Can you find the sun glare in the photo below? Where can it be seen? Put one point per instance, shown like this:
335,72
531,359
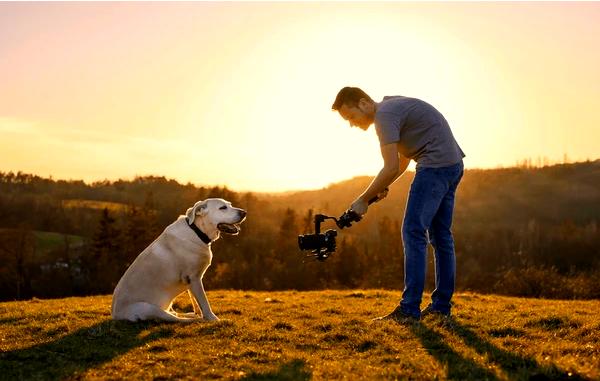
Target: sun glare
239,94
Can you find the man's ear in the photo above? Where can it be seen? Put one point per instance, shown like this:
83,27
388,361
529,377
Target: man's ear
363,104
199,209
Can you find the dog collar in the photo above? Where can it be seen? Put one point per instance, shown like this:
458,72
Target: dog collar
200,233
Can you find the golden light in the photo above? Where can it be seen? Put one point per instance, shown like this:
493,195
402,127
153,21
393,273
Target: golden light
239,94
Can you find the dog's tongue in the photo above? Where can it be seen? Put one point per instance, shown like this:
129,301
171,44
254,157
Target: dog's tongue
228,228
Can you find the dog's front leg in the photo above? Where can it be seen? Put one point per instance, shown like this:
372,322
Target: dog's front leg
200,295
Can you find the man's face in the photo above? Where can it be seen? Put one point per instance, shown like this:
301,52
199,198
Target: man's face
360,116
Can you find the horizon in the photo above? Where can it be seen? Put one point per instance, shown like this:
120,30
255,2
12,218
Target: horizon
526,163
239,94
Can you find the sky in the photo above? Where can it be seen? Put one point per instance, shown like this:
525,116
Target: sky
240,94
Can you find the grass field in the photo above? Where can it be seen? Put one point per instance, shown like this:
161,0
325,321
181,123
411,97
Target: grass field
304,335
48,241
93,204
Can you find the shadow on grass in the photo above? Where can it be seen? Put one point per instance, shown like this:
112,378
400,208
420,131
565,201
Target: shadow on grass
459,368
291,371
78,351
515,366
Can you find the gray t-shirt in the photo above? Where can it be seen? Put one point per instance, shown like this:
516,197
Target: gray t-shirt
421,131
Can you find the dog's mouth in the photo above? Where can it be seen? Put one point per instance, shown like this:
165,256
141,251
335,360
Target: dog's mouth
232,229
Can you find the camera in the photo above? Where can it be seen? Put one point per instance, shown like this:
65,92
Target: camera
322,245
317,241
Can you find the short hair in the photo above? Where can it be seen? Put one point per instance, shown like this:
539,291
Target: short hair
349,96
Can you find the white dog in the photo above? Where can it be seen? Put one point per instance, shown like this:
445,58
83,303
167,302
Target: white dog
175,262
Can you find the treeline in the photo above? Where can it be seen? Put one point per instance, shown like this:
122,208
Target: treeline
518,231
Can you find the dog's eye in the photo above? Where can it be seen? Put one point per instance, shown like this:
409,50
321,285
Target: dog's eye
223,207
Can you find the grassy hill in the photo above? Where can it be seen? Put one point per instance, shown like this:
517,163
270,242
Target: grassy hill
48,241
304,335
92,204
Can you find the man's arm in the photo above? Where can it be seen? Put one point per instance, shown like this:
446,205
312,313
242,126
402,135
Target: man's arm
394,165
403,164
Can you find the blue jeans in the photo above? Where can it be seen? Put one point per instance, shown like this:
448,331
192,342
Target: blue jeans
429,215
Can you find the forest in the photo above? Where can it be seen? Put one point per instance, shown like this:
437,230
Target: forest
525,231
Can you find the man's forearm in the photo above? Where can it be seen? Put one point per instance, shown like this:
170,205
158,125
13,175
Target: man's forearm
383,179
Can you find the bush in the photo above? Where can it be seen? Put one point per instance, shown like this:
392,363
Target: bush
540,282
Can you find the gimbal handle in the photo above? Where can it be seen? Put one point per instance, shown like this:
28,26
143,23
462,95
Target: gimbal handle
350,216
375,199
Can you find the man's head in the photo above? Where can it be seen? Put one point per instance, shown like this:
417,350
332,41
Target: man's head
355,106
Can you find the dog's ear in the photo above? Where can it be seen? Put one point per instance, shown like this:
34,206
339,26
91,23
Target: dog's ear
199,209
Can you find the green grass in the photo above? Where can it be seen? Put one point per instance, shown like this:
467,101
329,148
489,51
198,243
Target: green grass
304,335
48,241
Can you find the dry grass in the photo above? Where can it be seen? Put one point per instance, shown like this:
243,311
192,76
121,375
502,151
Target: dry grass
93,204
304,335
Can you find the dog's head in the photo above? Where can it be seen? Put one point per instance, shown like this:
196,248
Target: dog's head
216,215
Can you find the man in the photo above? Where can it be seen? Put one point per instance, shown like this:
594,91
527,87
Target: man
410,129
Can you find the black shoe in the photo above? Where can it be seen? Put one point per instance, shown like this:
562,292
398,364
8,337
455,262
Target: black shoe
398,316
430,311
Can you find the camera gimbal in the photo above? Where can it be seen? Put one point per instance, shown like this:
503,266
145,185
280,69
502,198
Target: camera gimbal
322,245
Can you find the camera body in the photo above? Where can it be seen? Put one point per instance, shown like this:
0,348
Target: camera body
321,243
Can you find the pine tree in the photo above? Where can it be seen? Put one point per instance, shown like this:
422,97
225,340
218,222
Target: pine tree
106,251
134,240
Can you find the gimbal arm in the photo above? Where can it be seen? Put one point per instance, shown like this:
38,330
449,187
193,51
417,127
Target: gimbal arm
319,218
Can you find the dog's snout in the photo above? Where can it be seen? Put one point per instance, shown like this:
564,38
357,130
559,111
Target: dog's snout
242,213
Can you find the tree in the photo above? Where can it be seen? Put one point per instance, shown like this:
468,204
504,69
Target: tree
346,264
105,256
17,249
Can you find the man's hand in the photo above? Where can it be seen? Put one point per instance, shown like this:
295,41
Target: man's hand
381,195
360,206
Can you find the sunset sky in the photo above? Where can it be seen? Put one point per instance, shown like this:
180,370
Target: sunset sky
240,94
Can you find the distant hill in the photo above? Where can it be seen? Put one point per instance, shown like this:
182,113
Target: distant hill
519,231
507,196
551,193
